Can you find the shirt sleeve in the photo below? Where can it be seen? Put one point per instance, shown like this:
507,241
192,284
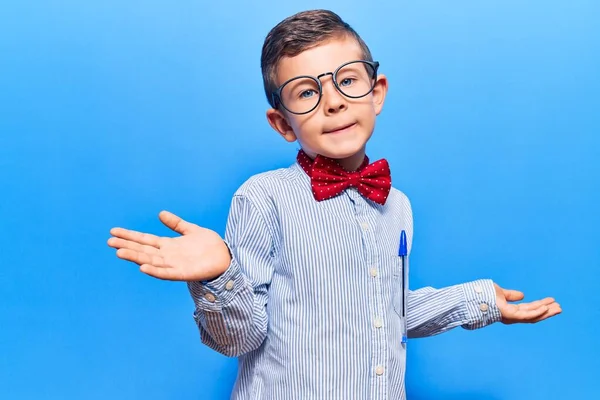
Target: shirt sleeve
471,305
431,311
230,310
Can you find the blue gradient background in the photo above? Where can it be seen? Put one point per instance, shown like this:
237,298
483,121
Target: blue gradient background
113,110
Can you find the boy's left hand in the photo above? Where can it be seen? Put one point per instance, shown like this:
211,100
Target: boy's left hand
535,311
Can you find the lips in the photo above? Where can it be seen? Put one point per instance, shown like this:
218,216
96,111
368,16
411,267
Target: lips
340,128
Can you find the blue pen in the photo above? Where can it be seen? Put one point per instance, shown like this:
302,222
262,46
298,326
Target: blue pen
402,253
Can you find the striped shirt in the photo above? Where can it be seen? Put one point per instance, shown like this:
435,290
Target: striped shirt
311,302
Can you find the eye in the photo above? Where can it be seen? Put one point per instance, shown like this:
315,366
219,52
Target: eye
347,81
305,94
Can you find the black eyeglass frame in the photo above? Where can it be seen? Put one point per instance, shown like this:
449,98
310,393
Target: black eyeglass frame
276,95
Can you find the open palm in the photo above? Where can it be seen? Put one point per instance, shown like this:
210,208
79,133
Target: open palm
535,311
198,254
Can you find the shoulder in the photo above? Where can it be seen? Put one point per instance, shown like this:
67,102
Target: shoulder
265,183
401,211
264,191
399,199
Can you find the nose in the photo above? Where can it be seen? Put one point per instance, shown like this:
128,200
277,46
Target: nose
333,100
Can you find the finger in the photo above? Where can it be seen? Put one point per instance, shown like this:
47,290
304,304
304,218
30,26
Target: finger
141,258
513,295
138,237
169,274
118,243
521,315
175,223
536,304
553,309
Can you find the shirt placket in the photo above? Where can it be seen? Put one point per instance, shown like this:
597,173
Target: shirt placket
366,220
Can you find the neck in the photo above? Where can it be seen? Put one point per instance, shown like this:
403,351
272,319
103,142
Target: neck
353,162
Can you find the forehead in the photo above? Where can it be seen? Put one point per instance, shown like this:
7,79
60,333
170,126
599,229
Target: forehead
325,57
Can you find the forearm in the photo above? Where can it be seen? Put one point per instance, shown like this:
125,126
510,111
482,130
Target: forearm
230,313
432,311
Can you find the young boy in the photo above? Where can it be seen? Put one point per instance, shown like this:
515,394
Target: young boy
307,286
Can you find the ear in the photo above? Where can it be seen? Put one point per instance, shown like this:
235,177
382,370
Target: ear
379,92
279,122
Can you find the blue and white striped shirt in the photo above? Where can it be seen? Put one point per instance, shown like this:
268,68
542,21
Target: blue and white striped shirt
311,302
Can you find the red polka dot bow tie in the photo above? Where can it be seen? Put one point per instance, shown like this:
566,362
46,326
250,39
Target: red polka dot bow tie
329,178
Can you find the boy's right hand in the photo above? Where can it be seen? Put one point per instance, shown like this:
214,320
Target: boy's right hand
199,254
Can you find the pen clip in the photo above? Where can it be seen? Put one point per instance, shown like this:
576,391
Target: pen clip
403,250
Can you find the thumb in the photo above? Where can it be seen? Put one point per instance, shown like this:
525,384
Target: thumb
513,295
175,223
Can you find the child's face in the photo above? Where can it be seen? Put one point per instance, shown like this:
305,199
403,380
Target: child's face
339,127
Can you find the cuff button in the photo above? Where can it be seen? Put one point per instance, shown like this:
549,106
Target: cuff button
210,297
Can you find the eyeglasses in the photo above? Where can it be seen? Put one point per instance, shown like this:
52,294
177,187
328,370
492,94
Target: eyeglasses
302,94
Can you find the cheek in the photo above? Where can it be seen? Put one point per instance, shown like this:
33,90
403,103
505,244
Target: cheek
367,114
304,125
295,124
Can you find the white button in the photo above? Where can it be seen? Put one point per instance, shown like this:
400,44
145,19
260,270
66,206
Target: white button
229,285
379,370
365,226
378,323
210,297
483,307
478,289
373,272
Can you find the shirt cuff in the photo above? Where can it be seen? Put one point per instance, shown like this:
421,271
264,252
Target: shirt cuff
214,294
480,300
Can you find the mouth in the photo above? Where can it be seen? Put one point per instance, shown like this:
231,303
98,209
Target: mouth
340,129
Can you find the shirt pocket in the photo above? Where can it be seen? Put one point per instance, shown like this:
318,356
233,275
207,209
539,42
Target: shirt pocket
396,290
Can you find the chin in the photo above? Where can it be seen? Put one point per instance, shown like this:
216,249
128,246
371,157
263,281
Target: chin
346,150
342,154
338,149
